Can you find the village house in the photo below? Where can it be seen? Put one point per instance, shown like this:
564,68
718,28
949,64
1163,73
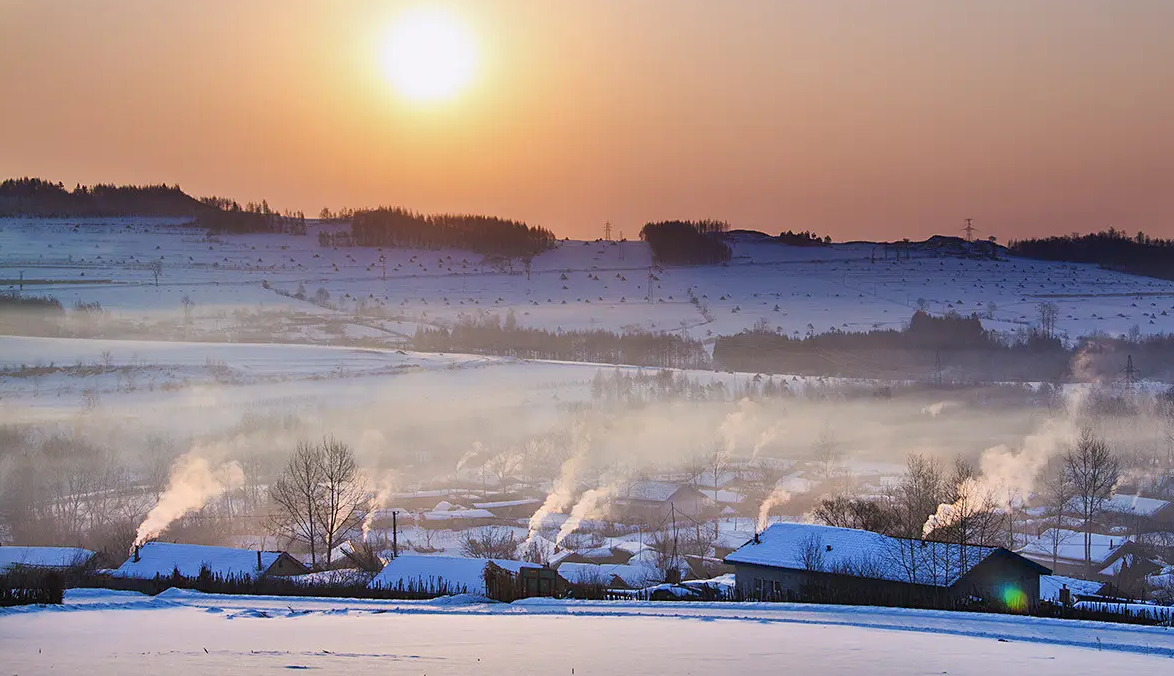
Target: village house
795,561
655,501
162,559
494,578
1063,551
14,557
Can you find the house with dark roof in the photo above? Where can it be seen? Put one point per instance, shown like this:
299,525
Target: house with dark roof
813,562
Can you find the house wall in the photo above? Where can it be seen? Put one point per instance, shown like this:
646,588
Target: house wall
998,579
779,584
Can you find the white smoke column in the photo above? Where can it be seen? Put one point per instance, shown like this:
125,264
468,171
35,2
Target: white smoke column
1007,472
194,481
733,424
591,504
562,494
477,448
936,409
385,487
778,496
765,438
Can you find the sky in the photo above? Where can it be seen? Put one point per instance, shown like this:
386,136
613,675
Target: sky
859,119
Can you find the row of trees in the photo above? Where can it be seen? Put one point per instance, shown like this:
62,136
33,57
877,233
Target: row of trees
489,335
38,197
488,235
687,242
228,216
1108,247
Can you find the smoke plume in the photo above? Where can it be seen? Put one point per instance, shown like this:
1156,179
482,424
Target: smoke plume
384,488
777,497
194,481
592,503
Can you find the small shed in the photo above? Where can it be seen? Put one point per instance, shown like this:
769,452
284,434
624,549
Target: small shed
49,558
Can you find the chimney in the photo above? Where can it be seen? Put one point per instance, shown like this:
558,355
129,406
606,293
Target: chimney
136,553
757,540
829,548
258,559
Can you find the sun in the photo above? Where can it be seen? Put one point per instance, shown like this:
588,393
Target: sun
429,55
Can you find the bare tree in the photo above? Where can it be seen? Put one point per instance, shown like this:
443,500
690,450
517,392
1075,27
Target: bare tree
1048,313
917,495
156,268
1057,494
489,543
845,511
1094,472
827,455
504,464
319,497
811,553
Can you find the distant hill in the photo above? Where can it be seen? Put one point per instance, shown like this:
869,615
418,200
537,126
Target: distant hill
38,197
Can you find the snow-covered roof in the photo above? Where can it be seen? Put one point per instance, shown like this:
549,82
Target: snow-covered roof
505,503
860,553
42,557
458,575
1069,546
723,496
1132,504
457,514
652,491
162,558
631,575
1050,585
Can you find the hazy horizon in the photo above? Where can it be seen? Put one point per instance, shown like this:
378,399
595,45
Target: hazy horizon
856,119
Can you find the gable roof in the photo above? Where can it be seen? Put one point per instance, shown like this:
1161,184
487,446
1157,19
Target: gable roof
860,553
654,491
162,558
42,557
1133,504
1050,585
458,575
1070,546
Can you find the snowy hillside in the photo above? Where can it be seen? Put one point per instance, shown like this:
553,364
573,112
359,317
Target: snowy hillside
241,286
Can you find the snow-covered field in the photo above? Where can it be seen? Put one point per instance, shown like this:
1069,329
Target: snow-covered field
103,632
235,285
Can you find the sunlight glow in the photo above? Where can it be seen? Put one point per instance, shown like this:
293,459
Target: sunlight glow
429,55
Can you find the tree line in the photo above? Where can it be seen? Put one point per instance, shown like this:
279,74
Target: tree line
1108,247
38,197
490,335
227,216
487,235
687,242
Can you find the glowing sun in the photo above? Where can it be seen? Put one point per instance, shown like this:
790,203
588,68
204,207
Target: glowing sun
428,55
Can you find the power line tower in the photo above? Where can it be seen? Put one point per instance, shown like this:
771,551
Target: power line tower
1131,373
621,245
970,230
607,231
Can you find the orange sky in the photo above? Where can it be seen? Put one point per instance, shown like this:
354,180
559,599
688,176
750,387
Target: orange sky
864,119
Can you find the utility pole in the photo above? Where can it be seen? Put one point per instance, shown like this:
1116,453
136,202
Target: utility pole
937,368
621,245
969,230
651,289
394,534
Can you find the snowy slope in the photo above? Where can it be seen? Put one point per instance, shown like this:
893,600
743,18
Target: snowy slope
578,285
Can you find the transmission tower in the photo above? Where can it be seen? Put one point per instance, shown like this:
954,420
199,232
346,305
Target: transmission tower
621,245
1131,373
969,230
607,231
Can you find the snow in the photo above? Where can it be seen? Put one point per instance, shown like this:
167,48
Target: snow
458,574
802,546
162,558
457,514
42,557
506,503
634,576
652,491
1071,546
1050,585
105,633
606,285
1132,504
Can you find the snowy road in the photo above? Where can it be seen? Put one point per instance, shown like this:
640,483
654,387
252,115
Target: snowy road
101,633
